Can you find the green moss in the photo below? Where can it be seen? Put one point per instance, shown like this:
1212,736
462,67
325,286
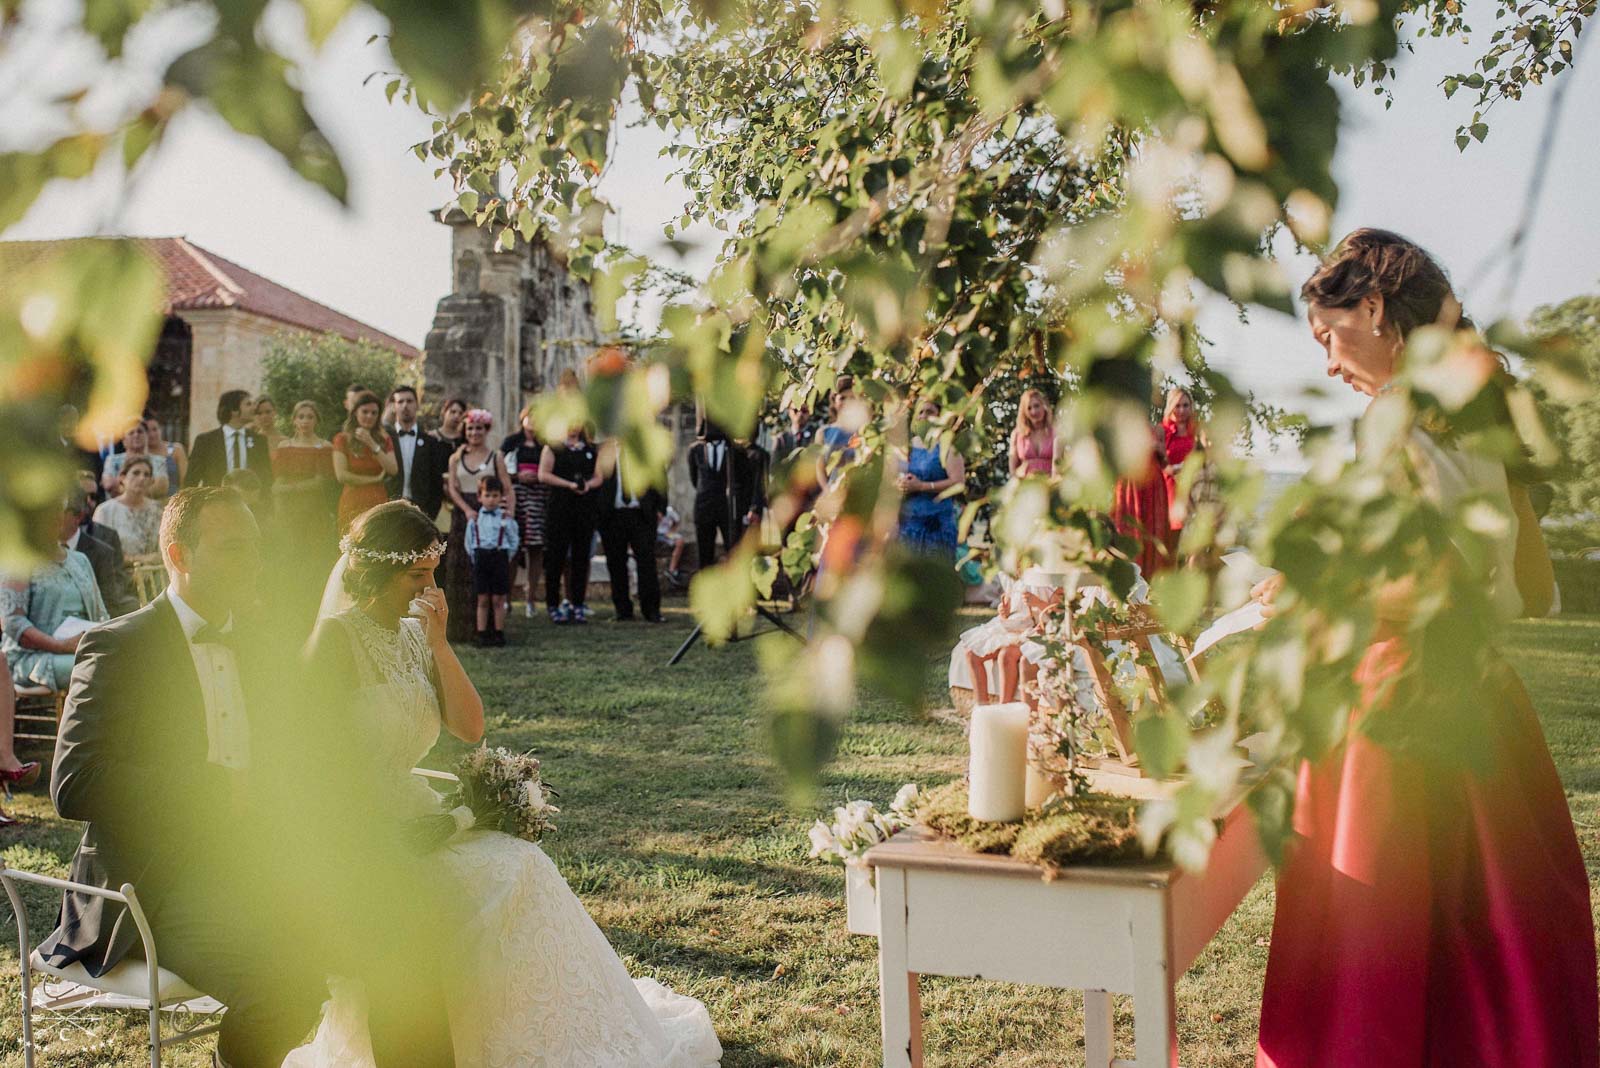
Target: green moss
1084,830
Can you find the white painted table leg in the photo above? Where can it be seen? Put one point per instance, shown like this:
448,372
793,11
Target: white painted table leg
1155,1010
898,996
1099,1031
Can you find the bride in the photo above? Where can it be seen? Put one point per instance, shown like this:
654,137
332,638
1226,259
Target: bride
538,985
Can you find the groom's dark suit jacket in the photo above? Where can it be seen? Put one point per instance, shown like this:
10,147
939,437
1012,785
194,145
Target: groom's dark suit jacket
131,763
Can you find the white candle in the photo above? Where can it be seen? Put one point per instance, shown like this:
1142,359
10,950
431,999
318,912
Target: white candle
1040,788
997,773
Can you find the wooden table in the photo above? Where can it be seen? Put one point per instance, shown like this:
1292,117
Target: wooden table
1128,929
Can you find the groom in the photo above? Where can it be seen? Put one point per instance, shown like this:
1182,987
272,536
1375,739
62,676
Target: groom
178,746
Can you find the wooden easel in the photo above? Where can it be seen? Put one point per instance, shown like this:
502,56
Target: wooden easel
1142,625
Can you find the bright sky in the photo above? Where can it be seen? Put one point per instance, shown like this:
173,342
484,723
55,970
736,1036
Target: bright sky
385,261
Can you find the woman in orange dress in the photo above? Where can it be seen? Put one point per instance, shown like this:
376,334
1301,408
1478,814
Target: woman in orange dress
1434,909
363,457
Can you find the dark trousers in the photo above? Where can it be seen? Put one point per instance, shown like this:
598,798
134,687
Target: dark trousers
631,529
711,518
274,988
568,538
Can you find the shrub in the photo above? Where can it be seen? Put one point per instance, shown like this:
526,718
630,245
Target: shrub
318,367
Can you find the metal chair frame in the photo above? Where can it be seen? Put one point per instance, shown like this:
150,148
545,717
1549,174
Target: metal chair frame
69,1002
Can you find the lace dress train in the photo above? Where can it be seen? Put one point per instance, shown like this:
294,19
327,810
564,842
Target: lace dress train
538,986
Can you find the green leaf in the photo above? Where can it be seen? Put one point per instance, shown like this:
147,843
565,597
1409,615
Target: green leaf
1178,598
1162,741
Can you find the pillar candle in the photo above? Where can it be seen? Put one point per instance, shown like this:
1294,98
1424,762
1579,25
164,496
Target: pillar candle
997,773
1041,787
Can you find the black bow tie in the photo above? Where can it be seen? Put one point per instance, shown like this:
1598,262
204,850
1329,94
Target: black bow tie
210,635
406,433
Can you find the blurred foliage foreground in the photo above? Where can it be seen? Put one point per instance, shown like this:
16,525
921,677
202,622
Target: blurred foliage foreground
936,196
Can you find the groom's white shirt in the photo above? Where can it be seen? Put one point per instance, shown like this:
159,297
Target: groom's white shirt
227,730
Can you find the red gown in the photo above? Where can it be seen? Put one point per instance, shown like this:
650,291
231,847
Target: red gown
1139,510
1433,918
353,500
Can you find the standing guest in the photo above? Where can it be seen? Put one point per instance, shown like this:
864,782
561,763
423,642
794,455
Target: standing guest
719,472
452,424
363,458
569,469
474,459
838,441
1180,432
266,422
492,542
628,516
352,393
304,487
523,451
81,458
177,456
1033,442
422,458
1434,909
132,514
103,547
750,500
229,447
928,517
32,610
669,536
135,446
794,437
1139,510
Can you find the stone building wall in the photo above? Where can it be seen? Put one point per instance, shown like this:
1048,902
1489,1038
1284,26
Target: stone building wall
227,347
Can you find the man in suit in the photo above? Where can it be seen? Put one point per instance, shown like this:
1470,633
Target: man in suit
723,478
628,517
181,748
103,547
422,457
231,446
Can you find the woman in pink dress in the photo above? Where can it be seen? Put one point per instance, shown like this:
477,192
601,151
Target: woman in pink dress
1180,431
1431,914
1033,442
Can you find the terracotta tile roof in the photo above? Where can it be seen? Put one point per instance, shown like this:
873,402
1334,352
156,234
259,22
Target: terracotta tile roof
198,279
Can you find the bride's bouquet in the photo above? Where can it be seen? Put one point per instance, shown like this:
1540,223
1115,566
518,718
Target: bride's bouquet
504,792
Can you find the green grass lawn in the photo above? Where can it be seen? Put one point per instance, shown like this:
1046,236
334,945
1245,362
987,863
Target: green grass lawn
676,833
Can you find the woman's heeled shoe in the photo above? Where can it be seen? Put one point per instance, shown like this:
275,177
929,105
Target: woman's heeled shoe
25,776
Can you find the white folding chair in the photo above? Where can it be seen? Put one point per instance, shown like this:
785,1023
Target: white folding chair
68,996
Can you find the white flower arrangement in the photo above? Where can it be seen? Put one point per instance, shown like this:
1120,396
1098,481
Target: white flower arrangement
505,793
859,825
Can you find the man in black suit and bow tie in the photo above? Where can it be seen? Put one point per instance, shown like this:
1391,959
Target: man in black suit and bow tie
181,748
231,446
422,458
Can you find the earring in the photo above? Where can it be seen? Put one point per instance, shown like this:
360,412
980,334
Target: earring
1377,331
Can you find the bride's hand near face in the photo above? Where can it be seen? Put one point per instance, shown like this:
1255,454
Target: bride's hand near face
434,611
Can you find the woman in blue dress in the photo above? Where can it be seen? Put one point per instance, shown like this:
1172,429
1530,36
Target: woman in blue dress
927,516
33,610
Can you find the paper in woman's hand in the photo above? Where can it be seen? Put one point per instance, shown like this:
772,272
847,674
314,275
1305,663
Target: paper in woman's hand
1247,617
70,628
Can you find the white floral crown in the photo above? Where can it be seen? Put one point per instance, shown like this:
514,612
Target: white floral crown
347,545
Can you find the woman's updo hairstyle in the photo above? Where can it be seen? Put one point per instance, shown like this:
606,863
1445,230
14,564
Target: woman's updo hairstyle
383,542
1415,289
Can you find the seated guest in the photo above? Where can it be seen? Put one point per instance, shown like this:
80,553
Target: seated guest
13,772
103,546
33,609
135,446
176,455
133,515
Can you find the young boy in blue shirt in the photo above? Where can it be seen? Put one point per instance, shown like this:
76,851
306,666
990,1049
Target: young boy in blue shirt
492,542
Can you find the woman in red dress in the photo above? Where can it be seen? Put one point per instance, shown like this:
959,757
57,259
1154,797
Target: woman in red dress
1432,913
1180,431
363,456
1139,510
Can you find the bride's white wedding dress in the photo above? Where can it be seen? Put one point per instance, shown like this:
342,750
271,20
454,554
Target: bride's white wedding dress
544,988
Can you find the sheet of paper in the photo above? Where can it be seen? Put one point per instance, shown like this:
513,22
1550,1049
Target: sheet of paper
1253,570
1241,619
70,628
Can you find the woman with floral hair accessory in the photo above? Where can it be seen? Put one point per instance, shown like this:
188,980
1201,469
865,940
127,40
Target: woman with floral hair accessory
472,461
